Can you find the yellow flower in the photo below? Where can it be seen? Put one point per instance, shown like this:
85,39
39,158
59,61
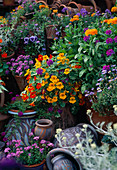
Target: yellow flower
91,32
72,100
80,96
55,99
49,100
46,76
67,71
41,6
45,57
43,83
55,11
13,10
58,130
61,54
43,70
59,85
93,145
1,17
67,60
114,9
51,87
42,97
62,95
75,18
54,79
37,64
27,72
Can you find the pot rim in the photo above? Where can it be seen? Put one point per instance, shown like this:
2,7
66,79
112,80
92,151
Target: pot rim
47,121
35,165
27,112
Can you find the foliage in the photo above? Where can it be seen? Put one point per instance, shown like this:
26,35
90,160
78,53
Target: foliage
54,80
90,155
106,96
88,43
35,153
2,86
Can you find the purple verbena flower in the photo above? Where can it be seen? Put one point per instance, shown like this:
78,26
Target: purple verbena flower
108,32
115,39
13,98
49,62
110,52
106,67
86,38
50,109
64,10
109,40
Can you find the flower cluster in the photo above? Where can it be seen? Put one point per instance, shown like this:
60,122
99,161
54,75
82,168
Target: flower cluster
28,155
19,65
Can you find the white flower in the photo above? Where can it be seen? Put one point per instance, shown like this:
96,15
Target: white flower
64,138
115,126
77,135
93,145
114,106
79,145
58,130
90,140
88,112
85,126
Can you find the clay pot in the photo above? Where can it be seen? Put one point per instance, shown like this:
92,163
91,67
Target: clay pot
63,159
34,167
21,82
2,98
44,129
51,31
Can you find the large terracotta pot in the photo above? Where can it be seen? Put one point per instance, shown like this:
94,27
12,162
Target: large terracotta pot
21,82
51,31
61,159
44,129
40,166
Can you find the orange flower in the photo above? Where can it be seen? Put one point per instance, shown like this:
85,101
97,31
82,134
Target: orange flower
91,32
50,56
59,85
69,43
46,76
32,104
55,99
28,78
49,100
35,78
62,95
24,97
38,86
4,55
0,40
72,100
32,95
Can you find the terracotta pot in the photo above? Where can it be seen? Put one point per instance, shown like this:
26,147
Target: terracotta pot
21,82
63,159
2,98
73,8
42,2
44,129
40,166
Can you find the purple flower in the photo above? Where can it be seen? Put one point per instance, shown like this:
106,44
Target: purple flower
5,139
33,38
29,154
7,150
59,111
110,52
49,62
26,39
26,67
43,141
106,67
39,71
108,32
36,24
37,42
85,29
86,38
97,41
83,12
31,134
109,40
50,109
36,138
20,114
64,9
91,65
13,98
31,62
78,14
108,11
3,134
41,150
115,39
7,72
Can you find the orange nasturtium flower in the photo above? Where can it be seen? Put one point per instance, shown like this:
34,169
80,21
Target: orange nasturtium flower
4,55
114,9
46,76
0,40
32,104
24,97
49,100
59,85
51,87
67,71
40,57
45,57
55,11
54,79
72,100
55,99
41,6
62,95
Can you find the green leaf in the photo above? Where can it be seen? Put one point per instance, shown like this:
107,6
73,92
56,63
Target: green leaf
82,72
86,58
83,88
62,104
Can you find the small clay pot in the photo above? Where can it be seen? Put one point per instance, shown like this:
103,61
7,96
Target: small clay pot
44,129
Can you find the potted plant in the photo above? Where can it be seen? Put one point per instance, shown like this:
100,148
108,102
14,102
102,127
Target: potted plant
18,68
29,156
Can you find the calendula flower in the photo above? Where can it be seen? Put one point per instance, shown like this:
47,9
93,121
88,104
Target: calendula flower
114,9
62,96
72,100
59,85
67,71
91,32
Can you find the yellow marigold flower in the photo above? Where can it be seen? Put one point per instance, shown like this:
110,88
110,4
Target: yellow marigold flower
92,14
41,6
61,54
91,32
37,64
45,57
27,72
49,100
46,76
72,100
62,96
67,71
112,21
59,85
75,18
80,96
54,99
114,9
55,11
54,79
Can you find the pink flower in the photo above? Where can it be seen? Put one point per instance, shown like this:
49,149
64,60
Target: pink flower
17,145
3,134
7,150
9,143
41,150
4,139
50,144
31,134
29,154
20,114
36,138
43,141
